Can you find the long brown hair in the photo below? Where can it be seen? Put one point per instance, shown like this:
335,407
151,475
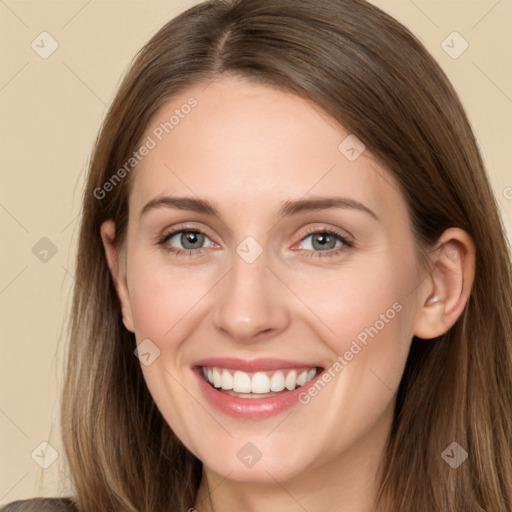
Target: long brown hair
373,76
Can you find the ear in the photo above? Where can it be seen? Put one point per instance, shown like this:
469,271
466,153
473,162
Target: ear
445,291
117,263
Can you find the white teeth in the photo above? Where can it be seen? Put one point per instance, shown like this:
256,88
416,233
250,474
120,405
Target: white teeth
227,380
217,378
241,382
291,380
302,378
277,381
259,382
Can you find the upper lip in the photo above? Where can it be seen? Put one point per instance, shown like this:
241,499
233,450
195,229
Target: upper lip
253,365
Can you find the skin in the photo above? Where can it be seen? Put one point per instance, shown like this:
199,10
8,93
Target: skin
248,148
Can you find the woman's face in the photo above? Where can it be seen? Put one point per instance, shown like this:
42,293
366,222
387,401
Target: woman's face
270,285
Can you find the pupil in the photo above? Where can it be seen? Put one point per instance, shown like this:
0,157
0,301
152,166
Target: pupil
322,239
189,238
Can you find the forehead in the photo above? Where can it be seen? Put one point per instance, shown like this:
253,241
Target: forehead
246,142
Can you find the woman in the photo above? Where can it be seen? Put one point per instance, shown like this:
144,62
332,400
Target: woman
341,334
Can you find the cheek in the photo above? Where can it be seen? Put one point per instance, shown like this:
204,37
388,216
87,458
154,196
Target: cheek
162,295
365,314
356,300
369,314
164,301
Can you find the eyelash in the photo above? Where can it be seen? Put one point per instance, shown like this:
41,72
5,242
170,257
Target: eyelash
347,244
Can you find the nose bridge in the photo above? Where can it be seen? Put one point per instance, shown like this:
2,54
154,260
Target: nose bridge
249,303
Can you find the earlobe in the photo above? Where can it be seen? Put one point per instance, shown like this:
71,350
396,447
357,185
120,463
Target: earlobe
447,287
115,262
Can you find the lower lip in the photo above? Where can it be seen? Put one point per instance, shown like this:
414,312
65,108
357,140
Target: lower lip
251,408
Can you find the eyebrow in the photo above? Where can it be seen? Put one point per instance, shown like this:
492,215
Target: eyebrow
288,207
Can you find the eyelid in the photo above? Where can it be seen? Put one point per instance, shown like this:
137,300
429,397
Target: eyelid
327,228
172,232
183,227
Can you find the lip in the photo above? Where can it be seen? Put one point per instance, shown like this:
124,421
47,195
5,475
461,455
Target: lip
250,408
254,365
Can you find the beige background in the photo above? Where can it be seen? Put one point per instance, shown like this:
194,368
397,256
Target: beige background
50,112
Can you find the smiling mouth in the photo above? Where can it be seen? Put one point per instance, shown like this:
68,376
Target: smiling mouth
261,384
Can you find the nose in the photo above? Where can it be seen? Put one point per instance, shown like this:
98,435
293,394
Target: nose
251,304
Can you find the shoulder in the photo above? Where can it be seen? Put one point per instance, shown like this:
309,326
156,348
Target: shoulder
41,505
